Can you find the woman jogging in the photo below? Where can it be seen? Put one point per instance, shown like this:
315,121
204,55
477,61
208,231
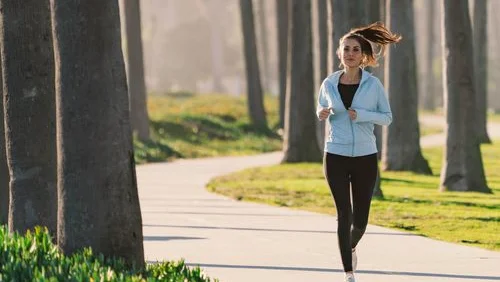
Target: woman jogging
353,101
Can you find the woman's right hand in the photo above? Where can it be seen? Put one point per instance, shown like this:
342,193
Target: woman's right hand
323,113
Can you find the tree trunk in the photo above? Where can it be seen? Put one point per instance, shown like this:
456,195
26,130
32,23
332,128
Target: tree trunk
98,199
323,38
346,16
374,13
401,148
210,11
254,88
322,22
261,14
429,95
300,143
462,168
135,69
282,24
216,44
494,98
339,28
480,37
28,69
4,170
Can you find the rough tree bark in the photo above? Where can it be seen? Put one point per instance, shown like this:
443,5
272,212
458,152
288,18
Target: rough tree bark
300,143
4,170
254,88
135,69
98,199
30,131
401,145
462,168
480,36
282,10
429,98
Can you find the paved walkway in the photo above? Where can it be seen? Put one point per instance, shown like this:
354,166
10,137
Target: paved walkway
245,242
438,139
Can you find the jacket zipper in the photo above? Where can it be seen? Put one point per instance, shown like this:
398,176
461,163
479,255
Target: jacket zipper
352,126
353,139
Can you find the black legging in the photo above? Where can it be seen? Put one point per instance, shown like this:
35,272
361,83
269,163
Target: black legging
361,172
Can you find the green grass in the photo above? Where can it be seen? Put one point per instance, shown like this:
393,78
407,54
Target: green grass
192,126
430,130
33,257
187,125
412,202
495,117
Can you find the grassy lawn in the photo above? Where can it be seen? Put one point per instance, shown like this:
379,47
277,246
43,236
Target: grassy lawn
412,202
184,125
430,130
494,117
187,125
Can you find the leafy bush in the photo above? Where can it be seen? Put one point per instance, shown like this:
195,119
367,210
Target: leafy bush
34,257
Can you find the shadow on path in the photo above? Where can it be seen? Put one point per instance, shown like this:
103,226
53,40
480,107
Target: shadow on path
170,238
228,214
377,272
267,229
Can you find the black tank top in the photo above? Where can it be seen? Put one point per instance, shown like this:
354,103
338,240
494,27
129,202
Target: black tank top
347,92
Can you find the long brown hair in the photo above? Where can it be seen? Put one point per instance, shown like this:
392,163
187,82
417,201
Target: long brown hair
367,36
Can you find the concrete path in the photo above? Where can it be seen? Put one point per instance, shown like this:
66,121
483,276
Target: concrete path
438,139
245,242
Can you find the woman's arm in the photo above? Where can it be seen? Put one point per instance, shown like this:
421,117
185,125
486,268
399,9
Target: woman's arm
322,103
383,114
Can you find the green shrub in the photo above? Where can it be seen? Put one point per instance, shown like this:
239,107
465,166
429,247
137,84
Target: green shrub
33,257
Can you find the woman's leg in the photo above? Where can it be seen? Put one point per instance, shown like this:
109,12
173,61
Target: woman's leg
363,177
337,176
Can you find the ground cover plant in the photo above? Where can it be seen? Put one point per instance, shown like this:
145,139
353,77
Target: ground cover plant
33,257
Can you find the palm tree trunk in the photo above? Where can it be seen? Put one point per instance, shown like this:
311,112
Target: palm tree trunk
322,22
462,168
28,69
262,24
374,13
254,88
282,24
4,170
429,102
216,45
480,36
401,149
98,199
300,119
135,69
339,27
346,16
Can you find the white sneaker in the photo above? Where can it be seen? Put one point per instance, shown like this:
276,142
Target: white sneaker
354,260
349,277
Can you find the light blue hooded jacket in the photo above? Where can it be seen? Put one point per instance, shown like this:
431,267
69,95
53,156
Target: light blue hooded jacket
348,137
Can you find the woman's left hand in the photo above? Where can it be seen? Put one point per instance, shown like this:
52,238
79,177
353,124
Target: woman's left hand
352,114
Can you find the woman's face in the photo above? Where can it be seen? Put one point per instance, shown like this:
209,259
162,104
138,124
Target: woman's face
350,53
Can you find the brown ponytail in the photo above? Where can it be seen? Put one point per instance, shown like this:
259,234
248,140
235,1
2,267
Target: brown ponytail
375,33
